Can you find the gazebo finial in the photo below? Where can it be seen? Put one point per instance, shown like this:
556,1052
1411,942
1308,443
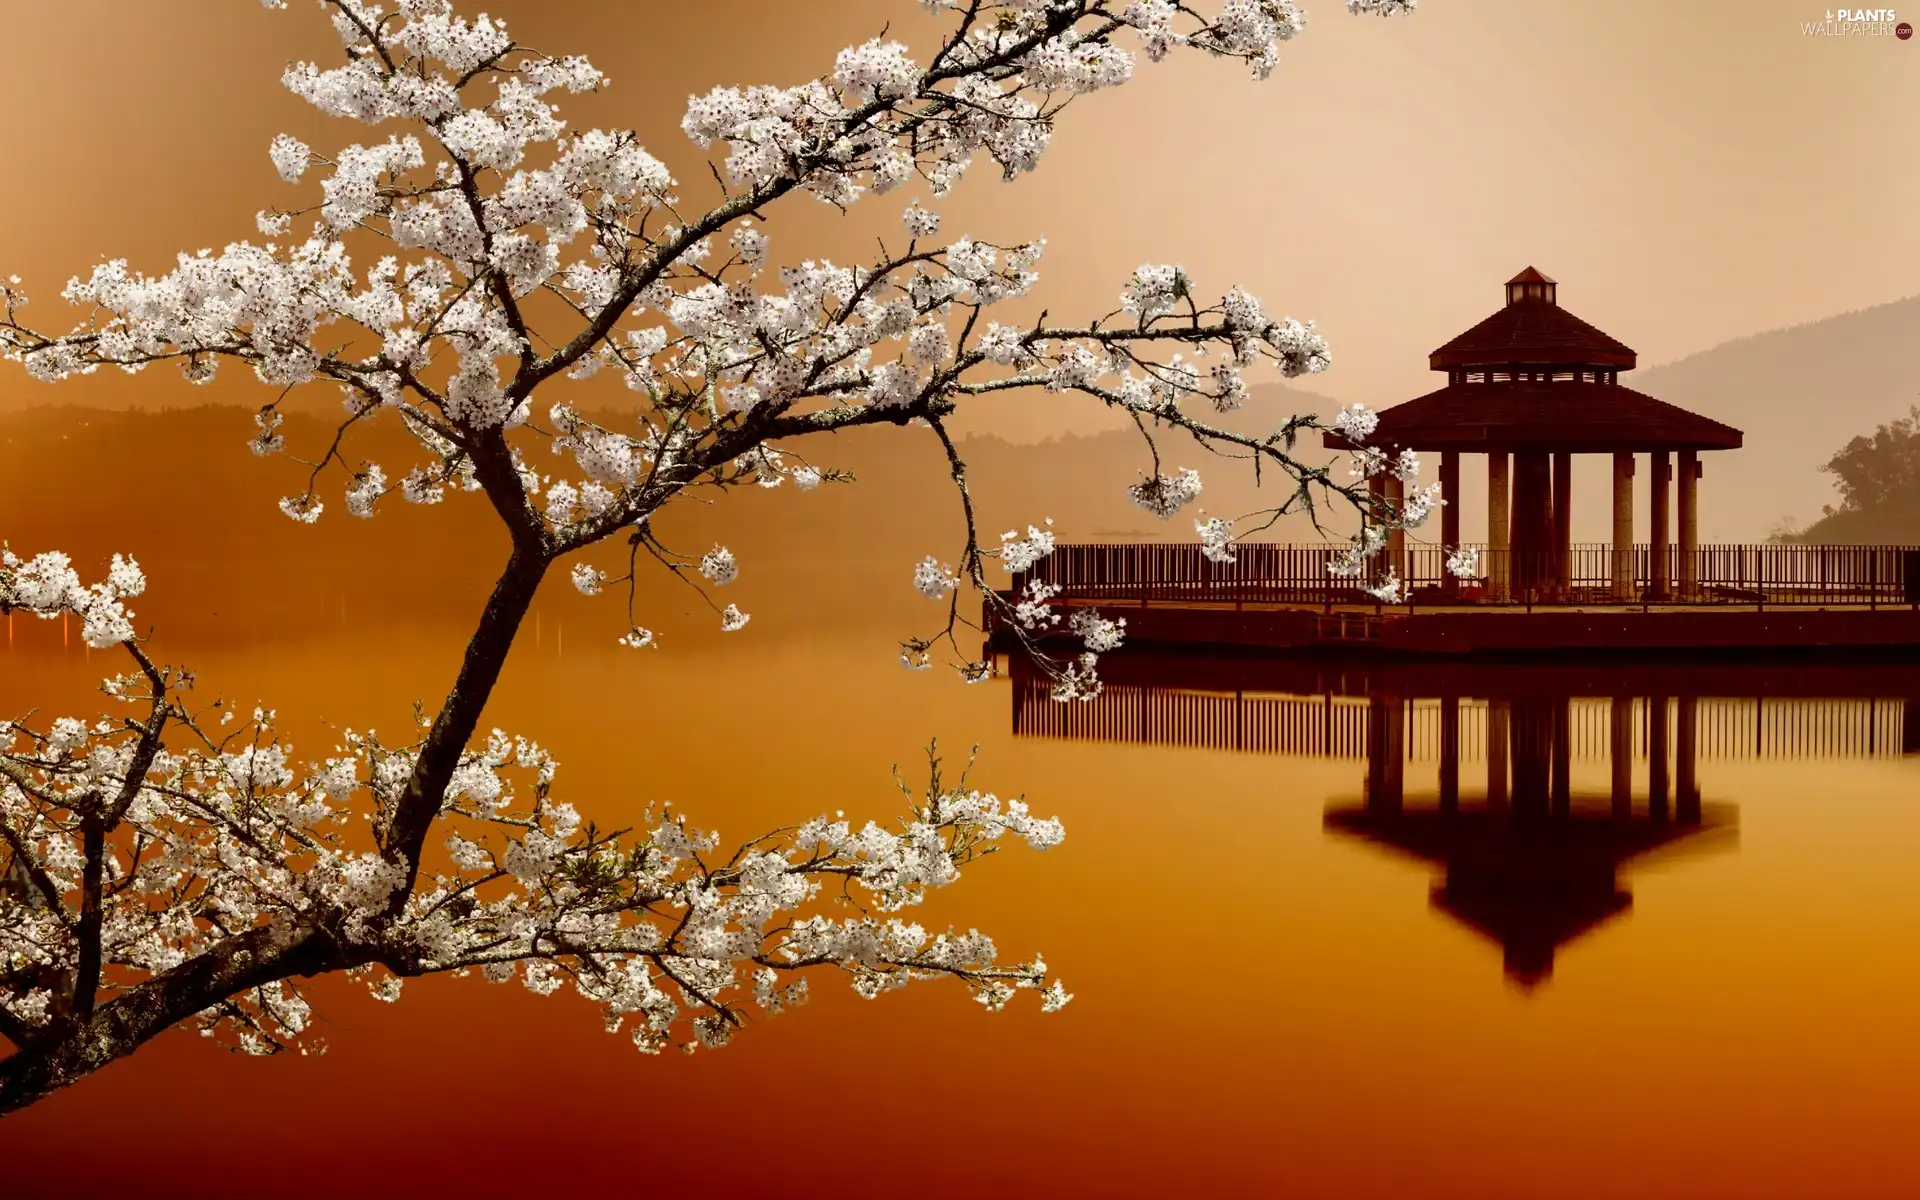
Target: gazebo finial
1531,286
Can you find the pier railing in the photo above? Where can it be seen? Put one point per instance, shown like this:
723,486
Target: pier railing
1336,726
1590,573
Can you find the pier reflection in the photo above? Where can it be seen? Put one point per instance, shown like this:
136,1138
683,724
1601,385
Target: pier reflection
1529,788
1525,859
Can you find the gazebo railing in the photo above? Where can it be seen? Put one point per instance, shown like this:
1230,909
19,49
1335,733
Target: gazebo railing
1265,572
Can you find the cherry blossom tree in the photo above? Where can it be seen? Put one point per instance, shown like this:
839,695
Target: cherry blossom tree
165,866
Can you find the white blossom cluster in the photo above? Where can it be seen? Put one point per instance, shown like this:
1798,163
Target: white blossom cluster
1463,562
1356,424
496,216
1216,538
47,586
174,856
1165,495
212,833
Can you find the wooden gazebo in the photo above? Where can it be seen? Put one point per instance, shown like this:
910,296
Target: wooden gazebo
1530,387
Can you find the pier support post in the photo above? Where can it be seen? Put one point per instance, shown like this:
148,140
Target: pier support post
1562,556
1657,758
1533,575
1386,753
1397,538
1377,493
1449,753
1449,516
1623,528
1686,782
1562,782
1620,757
1533,746
1499,505
1661,472
1497,721
1689,524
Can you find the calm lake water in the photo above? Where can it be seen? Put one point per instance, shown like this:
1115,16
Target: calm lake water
1297,971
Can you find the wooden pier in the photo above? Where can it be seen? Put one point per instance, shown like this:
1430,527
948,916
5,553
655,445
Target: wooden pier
1319,707
1281,597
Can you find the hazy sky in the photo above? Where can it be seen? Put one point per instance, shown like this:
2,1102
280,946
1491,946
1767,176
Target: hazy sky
1691,172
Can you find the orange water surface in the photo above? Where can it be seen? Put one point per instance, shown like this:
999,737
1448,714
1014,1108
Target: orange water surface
1265,1005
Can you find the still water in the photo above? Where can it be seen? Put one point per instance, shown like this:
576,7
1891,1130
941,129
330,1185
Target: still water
1664,945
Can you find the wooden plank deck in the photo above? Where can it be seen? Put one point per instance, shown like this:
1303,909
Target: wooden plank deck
1465,630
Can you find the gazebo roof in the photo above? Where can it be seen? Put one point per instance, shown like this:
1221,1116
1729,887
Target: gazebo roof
1533,332
1533,329
1530,888
1580,418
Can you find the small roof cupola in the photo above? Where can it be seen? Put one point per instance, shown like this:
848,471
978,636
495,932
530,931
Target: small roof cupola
1530,286
1532,336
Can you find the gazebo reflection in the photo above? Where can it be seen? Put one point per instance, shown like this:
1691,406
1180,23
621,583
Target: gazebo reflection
1532,788
1530,863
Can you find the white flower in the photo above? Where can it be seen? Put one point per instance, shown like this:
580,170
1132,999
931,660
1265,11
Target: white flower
929,343
289,156
1388,590
933,580
1419,505
1356,424
750,244
368,485
1099,634
304,510
1018,554
588,579
1164,495
1154,290
1216,538
718,565
920,222
733,620
1368,461
876,69
1464,563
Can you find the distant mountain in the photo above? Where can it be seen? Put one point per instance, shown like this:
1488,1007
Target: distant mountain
177,489
1799,394
1886,524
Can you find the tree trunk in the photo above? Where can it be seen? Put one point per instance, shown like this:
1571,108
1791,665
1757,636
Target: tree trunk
129,1021
460,715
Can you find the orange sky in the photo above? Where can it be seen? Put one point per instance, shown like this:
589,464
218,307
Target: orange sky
1692,172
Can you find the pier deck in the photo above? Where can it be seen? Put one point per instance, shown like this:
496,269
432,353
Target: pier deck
1281,597
1480,629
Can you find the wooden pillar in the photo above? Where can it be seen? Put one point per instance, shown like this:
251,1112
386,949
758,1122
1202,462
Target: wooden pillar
1689,524
1449,753
1662,472
1562,556
1450,515
1386,753
1533,722
1686,782
1532,524
1397,538
1620,757
1377,492
1497,721
1657,758
1562,757
1499,504
1623,589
